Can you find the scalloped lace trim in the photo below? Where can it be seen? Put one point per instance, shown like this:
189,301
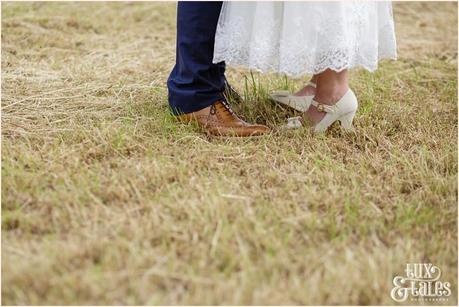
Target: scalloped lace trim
268,38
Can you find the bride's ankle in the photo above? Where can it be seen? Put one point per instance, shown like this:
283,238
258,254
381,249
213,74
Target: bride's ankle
307,90
330,95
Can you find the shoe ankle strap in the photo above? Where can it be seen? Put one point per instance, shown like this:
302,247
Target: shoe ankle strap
323,107
310,83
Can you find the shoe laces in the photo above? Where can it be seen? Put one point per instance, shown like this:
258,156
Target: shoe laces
227,108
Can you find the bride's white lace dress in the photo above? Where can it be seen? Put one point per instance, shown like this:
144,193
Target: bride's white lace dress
297,38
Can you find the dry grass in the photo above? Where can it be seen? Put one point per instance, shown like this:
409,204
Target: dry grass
106,201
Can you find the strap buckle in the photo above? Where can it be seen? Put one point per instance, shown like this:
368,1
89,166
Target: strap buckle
323,107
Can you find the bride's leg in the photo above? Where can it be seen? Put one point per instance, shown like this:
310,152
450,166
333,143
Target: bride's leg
308,90
331,86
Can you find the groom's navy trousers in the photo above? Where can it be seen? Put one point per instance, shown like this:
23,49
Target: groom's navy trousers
195,82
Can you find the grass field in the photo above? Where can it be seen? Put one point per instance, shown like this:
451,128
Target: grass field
105,200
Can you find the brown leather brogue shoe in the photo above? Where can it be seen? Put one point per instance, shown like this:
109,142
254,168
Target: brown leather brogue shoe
218,119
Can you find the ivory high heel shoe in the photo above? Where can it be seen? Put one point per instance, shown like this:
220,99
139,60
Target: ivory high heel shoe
299,103
344,111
